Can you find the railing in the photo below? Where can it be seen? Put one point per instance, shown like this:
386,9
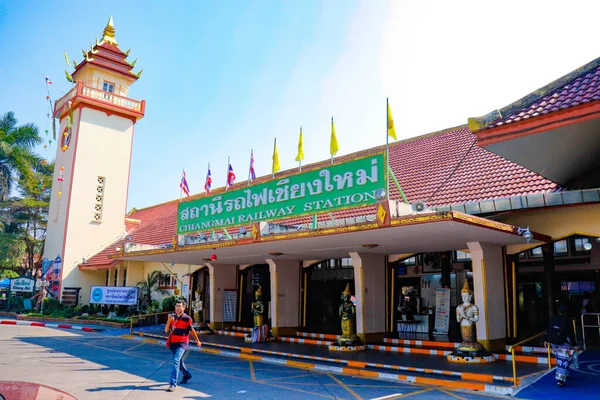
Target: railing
583,326
139,317
112,98
514,361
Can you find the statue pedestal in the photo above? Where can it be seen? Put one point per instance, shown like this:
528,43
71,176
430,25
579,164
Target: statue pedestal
471,353
202,328
352,343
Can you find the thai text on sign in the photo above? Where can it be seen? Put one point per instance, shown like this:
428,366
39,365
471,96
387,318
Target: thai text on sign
334,187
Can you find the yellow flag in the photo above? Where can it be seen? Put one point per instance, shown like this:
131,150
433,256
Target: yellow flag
390,123
333,143
276,165
300,155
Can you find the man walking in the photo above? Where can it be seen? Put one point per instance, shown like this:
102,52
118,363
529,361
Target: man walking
561,337
179,327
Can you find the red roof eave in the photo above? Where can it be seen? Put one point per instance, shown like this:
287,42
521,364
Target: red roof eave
538,124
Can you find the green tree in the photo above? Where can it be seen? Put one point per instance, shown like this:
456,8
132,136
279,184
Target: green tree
17,159
148,286
27,215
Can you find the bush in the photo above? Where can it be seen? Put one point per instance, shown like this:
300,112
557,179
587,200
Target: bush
85,309
58,314
68,312
168,304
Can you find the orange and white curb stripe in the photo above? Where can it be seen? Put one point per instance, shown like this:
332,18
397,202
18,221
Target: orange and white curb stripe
358,371
43,324
317,335
242,329
434,352
430,343
304,341
229,333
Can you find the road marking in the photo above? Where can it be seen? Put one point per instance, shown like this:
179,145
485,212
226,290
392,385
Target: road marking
134,347
342,384
252,373
389,397
291,377
418,392
451,394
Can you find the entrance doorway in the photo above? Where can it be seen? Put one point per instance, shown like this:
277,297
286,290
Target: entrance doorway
253,277
325,283
201,286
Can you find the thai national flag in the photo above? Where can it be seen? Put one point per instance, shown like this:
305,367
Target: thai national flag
184,185
230,176
48,80
208,182
252,173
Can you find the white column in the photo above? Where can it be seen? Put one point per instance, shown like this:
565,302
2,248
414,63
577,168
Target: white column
369,284
488,294
285,294
222,276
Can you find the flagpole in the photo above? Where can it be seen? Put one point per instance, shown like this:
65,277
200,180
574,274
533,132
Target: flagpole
206,181
273,163
387,149
330,140
300,161
180,188
227,177
249,172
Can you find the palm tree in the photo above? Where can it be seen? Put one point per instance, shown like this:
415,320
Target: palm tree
17,159
149,286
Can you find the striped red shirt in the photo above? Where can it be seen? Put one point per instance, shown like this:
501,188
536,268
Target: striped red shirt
181,327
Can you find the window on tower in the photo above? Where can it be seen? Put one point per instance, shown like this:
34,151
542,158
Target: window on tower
108,87
98,204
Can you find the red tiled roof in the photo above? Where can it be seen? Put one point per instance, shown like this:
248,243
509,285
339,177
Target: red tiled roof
441,169
574,89
110,57
581,90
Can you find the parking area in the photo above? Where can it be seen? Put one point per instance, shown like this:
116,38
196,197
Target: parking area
100,365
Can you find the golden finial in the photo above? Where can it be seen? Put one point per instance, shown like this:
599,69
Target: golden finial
133,63
466,288
109,33
139,73
127,53
347,290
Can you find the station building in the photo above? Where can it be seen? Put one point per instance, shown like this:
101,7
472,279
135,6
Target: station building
509,202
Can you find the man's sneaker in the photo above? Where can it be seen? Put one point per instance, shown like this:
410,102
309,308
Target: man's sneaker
185,379
171,388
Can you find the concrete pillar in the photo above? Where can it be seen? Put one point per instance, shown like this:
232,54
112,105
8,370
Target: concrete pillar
285,296
369,284
549,287
488,294
222,276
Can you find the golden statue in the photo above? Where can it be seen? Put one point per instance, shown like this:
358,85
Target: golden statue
348,314
467,314
197,306
258,307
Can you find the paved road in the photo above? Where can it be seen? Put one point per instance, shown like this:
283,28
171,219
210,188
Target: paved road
99,366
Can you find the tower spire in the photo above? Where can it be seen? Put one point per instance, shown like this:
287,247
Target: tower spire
109,33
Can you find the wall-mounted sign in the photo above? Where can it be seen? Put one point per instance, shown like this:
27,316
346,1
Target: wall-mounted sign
22,285
337,186
123,295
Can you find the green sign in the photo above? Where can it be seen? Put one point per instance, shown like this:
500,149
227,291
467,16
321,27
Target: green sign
323,190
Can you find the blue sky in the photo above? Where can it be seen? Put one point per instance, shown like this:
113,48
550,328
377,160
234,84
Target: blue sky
221,78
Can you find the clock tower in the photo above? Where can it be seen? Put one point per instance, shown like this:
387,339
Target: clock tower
91,175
